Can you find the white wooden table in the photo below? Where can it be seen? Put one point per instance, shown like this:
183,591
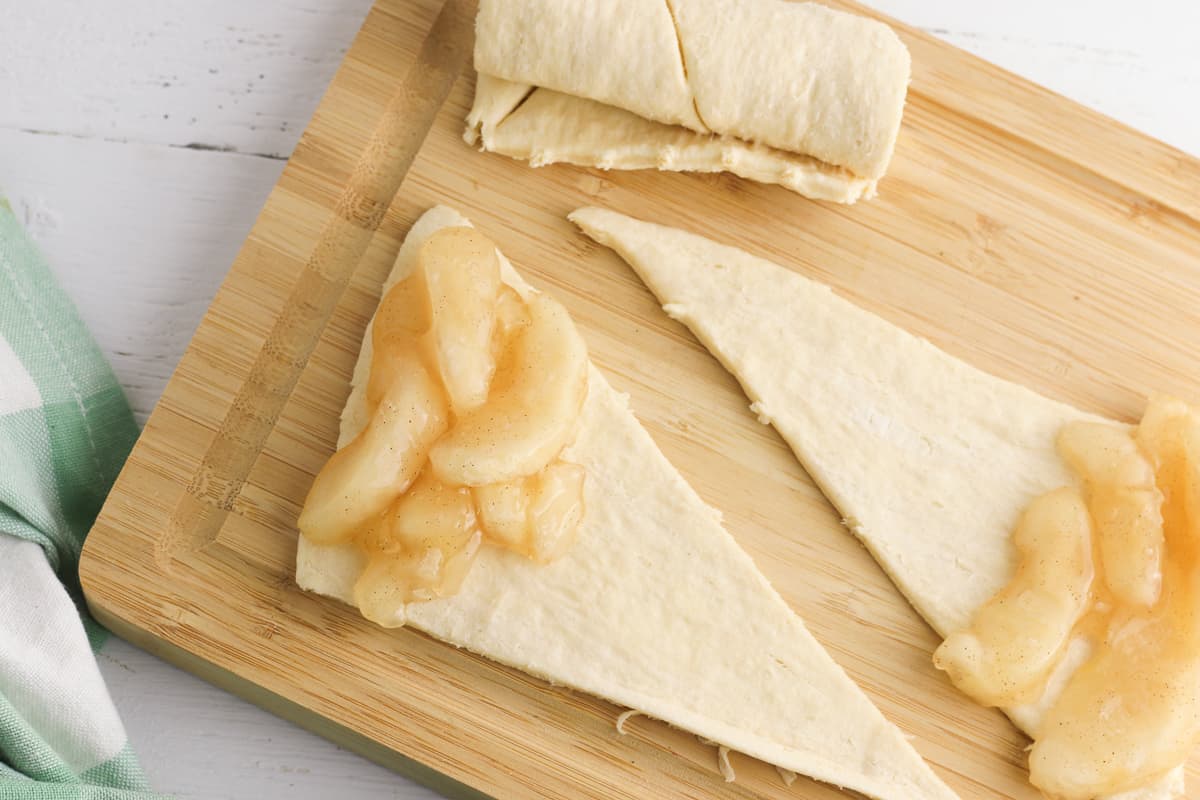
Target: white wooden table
138,139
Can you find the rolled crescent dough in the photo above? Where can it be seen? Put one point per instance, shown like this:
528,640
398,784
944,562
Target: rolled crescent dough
655,607
787,80
543,126
929,460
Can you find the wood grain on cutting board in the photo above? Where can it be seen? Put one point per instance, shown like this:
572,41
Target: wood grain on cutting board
1031,237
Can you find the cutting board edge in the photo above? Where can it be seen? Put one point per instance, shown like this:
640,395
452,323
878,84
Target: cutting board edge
274,703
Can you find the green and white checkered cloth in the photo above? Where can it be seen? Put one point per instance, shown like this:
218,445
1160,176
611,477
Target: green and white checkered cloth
65,430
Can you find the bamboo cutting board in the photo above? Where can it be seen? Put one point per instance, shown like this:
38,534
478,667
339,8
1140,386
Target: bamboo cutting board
1023,233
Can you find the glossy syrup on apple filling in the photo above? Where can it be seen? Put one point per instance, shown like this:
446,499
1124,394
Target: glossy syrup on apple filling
1110,568
474,391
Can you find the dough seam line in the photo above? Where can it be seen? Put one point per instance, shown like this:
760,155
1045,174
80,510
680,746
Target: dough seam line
687,77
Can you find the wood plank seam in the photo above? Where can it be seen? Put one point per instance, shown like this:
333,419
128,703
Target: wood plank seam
364,201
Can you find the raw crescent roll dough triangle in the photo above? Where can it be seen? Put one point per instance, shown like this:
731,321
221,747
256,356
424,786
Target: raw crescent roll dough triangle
951,455
655,607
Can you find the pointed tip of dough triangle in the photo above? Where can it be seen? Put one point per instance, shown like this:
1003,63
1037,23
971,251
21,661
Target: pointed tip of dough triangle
667,259
604,225
595,221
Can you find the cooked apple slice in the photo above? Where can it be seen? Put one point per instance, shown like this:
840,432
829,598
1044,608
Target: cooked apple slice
1130,713
429,514
361,480
420,548
402,318
511,316
1169,434
1125,504
1133,711
462,276
537,516
555,511
504,513
383,589
532,410
392,580
1018,636
432,514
